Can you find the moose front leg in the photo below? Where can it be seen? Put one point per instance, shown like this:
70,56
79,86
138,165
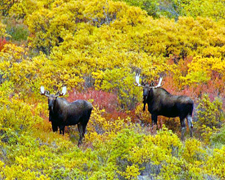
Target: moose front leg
54,127
144,102
154,119
144,105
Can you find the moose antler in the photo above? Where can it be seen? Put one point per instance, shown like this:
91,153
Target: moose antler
63,91
159,84
137,77
46,93
43,92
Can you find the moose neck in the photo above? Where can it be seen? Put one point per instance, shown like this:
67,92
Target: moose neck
150,95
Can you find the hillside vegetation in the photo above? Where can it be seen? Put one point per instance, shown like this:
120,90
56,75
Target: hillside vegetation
95,47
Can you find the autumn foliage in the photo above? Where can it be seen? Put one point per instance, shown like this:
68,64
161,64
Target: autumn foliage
95,47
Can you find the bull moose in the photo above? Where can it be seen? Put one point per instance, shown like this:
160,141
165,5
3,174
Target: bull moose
63,113
161,102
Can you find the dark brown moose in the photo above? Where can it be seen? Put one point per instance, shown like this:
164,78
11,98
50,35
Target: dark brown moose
63,113
161,102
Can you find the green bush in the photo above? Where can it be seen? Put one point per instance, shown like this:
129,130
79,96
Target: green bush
18,32
219,138
15,30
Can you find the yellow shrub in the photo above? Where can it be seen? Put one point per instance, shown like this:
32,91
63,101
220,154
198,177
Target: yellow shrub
131,172
215,163
17,115
144,116
193,151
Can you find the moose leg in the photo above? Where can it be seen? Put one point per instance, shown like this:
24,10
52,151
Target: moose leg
144,101
62,128
84,129
82,125
154,119
54,127
144,105
80,129
183,128
190,124
154,123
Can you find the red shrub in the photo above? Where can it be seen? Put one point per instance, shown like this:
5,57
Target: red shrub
2,43
103,100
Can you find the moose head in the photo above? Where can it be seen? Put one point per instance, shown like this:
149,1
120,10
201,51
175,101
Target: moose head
146,88
52,97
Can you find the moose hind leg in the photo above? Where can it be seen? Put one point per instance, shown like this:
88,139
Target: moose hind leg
82,125
62,129
190,124
154,124
80,129
84,129
183,128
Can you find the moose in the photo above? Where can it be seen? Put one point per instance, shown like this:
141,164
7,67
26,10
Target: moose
161,102
63,113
